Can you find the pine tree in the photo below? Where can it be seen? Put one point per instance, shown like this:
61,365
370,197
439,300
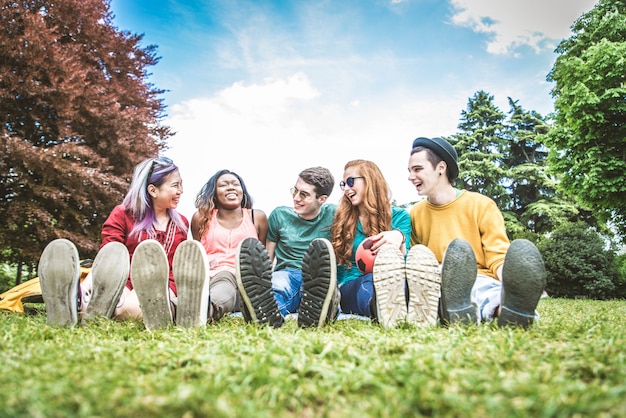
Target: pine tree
481,143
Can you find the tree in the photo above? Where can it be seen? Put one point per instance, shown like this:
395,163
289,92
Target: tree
77,115
535,202
588,143
506,159
480,145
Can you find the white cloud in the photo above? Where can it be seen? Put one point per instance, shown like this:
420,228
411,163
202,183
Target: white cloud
269,132
538,24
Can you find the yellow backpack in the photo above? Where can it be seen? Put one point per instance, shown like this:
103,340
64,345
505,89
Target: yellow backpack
30,291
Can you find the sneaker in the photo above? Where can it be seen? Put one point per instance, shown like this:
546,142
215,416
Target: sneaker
191,272
149,274
458,275
319,304
389,278
424,282
59,275
254,281
108,275
523,283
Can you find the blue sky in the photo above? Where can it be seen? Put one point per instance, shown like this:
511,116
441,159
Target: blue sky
268,88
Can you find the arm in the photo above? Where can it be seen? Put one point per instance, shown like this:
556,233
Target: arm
195,226
271,247
115,228
494,239
399,235
260,221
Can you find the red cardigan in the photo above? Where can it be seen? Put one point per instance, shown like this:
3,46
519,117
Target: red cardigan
117,228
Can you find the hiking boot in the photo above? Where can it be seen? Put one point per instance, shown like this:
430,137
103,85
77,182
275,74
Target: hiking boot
424,282
59,275
108,276
191,272
523,283
389,279
149,274
320,301
458,275
254,281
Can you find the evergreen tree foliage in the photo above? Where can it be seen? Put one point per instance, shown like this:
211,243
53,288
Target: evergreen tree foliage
533,191
77,115
506,159
588,144
480,145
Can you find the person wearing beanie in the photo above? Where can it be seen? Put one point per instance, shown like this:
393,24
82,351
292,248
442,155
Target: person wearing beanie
483,275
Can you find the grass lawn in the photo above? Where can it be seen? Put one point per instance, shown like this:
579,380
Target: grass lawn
572,363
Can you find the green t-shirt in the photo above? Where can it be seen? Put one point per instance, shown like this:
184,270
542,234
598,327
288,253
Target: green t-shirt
292,234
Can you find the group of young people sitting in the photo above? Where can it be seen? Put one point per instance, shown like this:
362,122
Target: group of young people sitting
445,260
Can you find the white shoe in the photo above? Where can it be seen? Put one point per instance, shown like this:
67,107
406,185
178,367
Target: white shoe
191,272
424,282
149,274
389,279
108,275
59,275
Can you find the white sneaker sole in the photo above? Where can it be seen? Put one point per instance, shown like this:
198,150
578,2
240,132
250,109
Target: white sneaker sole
149,274
191,272
389,279
59,275
109,275
424,282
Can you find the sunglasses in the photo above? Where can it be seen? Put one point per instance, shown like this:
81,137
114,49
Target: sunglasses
303,195
349,182
164,161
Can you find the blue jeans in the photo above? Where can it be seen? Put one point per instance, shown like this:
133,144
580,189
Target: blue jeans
287,287
357,294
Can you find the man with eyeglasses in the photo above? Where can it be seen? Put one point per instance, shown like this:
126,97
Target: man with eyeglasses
304,278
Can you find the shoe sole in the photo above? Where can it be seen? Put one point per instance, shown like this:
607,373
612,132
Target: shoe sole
523,283
458,275
149,274
254,281
191,272
424,282
59,275
319,277
109,275
389,278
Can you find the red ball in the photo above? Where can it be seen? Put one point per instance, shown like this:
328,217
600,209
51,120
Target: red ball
365,257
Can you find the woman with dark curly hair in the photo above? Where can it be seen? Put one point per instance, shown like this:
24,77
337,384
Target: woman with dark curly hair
225,218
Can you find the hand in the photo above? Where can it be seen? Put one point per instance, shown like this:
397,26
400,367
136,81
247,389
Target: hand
395,238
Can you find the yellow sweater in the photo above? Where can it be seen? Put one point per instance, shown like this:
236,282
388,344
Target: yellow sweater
471,216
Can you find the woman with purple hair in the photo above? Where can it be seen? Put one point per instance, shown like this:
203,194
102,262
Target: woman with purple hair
146,237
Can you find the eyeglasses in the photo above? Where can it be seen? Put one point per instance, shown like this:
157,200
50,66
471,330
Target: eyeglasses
349,182
160,161
303,195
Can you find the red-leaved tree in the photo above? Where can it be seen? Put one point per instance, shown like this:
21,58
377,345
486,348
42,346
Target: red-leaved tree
77,115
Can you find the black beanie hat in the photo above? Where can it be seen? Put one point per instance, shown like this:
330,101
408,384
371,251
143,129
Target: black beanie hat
443,149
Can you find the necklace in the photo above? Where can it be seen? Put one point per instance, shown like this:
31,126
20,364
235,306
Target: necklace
161,223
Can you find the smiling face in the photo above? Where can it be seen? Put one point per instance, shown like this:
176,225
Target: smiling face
305,202
228,191
167,196
356,192
428,180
